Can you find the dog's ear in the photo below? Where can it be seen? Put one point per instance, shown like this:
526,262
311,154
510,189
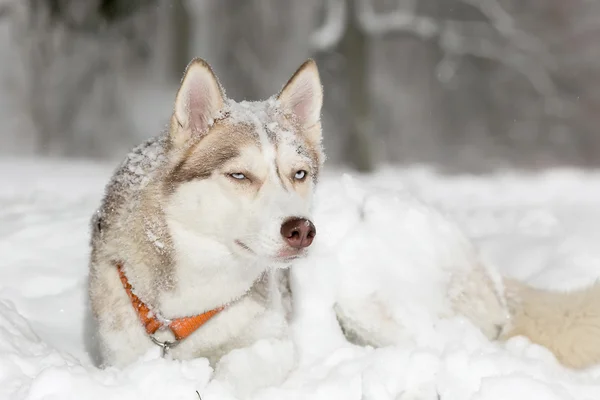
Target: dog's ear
302,95
199,101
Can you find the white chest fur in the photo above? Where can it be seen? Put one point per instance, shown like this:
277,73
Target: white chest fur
206,275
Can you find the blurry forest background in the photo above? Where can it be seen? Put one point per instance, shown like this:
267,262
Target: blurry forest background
467,85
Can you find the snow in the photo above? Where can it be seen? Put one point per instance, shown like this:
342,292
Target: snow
541,228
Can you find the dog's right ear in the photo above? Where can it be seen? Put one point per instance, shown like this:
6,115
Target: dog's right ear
199,101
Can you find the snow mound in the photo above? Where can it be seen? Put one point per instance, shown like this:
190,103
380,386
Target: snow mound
31,369
541,228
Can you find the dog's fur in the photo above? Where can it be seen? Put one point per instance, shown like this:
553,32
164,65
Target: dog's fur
566,323
192,237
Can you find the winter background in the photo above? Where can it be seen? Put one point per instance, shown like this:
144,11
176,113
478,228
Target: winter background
486,109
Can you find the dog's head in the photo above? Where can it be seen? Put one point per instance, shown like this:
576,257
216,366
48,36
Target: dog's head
243,173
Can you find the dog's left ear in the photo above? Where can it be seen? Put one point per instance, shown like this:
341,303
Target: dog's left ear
302,95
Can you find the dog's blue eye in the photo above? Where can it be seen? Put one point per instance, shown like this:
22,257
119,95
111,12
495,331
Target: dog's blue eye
238,175
300,175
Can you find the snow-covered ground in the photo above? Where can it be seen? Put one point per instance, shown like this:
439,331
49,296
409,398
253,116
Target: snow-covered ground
542,228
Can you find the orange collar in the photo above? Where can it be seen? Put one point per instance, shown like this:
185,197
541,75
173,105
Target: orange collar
181,327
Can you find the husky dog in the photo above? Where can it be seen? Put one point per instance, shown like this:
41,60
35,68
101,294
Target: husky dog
197,225
191,244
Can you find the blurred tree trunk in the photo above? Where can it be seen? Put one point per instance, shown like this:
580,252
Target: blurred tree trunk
181,36
354,50
73,54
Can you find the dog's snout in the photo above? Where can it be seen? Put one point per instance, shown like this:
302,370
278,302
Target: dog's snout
298,232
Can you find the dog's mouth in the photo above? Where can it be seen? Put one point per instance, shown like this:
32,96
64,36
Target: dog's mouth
288,255
285,255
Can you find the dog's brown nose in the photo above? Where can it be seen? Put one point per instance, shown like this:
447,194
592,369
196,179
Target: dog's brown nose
298,232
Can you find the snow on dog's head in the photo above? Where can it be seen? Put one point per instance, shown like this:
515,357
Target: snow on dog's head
243,173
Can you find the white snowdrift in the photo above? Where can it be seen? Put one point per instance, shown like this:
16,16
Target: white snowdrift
541,228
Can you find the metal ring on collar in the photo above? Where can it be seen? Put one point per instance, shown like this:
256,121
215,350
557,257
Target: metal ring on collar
166,345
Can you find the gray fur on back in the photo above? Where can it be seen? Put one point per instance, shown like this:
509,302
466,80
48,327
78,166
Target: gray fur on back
128,180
